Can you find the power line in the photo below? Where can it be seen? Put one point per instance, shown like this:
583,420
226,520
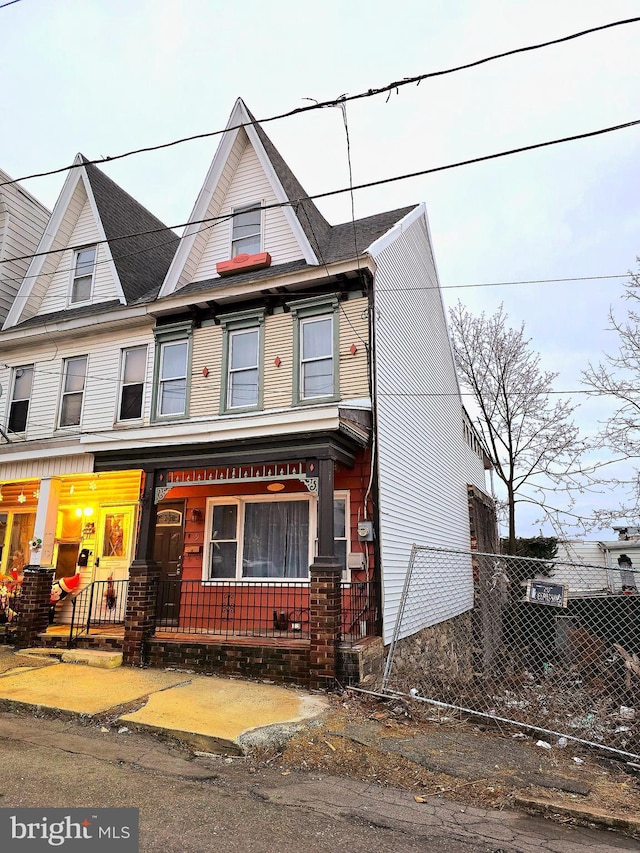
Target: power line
10,3
342,99
357,187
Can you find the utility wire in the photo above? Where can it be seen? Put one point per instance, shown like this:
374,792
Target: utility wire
357,187
10,3
342,99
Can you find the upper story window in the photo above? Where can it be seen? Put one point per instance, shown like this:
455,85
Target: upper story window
242,360
246,231
171,385
73,384
315,349
133,367
82,282
20,398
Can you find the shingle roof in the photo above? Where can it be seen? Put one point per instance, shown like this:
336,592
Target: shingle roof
314,225
70,313
141,262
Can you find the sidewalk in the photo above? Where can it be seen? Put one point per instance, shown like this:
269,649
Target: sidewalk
208,713
375,742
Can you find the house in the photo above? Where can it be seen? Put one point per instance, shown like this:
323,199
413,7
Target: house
604,567
266,412
22,220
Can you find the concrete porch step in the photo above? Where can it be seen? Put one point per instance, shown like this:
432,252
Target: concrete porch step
88,657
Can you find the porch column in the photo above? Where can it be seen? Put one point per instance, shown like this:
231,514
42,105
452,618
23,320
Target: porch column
324,593
46,520
33,604
144,573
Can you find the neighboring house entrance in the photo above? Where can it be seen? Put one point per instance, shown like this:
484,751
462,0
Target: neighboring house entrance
168,552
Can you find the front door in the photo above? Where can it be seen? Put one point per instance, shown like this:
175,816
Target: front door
168,552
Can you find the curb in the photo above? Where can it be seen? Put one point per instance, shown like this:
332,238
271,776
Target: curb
582,813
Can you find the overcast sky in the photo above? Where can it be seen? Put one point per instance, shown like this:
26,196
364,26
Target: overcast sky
107,76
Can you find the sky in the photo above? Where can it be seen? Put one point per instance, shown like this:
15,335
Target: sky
107,76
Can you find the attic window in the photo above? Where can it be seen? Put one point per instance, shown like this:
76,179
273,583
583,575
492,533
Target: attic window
82,283
246,230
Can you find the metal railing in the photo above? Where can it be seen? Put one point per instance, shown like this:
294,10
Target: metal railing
360,612
100,604
278,610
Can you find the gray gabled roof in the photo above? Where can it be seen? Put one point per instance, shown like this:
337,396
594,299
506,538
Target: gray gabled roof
314,225
142,262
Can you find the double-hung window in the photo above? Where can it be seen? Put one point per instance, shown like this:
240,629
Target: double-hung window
73,383
246,230
20,398
132,373
258,538
315,349
171,385
82,281
242,360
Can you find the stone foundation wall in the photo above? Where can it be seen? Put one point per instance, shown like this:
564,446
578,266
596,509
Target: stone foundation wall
443,652
362,663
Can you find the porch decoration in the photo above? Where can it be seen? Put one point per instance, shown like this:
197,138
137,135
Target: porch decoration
35,544
110,596
264,473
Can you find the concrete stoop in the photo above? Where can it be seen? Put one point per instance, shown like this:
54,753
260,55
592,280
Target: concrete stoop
88,657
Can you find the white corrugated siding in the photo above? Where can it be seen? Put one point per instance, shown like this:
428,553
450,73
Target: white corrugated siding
246,185
423,458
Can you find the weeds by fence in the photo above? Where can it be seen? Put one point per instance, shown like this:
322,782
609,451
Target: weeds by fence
547,643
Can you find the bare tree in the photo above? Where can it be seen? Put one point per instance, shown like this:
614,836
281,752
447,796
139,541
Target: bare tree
533,444
618,377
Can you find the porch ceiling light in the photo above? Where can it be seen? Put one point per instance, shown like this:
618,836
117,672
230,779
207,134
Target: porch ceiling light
275,487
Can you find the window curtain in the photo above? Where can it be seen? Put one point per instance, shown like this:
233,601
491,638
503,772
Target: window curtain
276,540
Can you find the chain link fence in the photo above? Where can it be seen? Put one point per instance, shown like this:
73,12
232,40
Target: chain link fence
548,644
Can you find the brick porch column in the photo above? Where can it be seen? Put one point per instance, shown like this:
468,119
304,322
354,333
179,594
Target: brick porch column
140,617
324,622
34,603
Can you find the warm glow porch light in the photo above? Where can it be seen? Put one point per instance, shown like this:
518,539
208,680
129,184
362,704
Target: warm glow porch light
275,487
87,511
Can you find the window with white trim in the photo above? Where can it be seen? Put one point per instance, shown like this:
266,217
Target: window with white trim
262,538
132,372
73,384
246,230
83,269
20,398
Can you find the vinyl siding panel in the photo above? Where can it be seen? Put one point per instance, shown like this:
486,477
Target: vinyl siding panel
22,222
278,381
205,391
48,467
101,386
85,232
249,184
421,449
354,329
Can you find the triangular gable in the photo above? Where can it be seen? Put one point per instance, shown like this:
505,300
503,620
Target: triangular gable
246,161
75,221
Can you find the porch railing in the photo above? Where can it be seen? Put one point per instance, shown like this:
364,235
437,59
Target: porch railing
100,604
248,609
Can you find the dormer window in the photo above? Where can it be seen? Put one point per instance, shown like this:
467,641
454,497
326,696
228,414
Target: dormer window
82,284
246,233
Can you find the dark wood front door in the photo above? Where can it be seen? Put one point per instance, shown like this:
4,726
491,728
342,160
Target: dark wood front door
168,552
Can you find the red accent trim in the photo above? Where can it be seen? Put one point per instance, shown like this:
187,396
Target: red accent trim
244,263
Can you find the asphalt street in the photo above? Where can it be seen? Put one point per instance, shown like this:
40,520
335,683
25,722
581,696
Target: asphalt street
193,804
